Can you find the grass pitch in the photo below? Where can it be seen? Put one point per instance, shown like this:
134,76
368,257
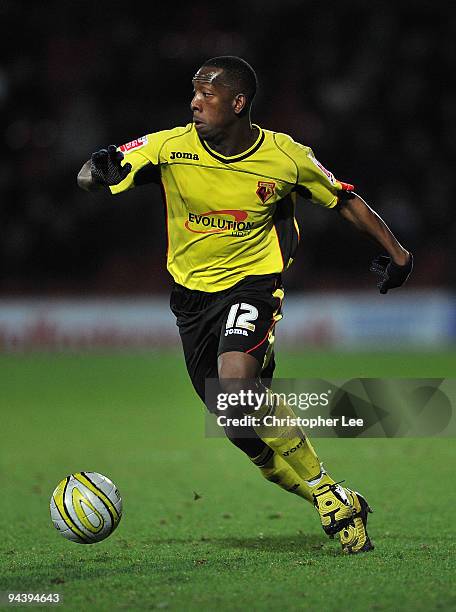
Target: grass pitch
242,543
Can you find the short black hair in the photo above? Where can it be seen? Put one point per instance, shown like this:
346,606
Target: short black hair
238,73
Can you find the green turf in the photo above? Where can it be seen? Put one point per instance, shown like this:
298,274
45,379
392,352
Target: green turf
245,544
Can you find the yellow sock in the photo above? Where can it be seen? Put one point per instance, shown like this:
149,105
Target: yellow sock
289,441
275,469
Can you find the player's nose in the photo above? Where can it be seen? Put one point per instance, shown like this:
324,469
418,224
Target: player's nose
195,104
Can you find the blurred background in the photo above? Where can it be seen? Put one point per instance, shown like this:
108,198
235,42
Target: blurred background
368,86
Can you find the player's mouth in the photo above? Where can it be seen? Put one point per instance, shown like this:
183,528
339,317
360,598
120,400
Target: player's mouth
198,123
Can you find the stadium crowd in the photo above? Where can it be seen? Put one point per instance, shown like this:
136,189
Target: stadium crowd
367,86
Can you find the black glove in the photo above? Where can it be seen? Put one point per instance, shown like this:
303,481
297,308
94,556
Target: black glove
106,168
391,275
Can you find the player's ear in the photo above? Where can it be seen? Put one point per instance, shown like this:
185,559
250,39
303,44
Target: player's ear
239,102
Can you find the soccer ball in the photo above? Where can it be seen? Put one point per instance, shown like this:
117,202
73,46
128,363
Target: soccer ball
86,507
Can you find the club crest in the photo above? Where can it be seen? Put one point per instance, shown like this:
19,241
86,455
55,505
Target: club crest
265,190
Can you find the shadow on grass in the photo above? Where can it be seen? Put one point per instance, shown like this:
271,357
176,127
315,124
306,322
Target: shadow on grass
66,571
272,543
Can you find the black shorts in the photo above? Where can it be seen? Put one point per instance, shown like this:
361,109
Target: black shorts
241,318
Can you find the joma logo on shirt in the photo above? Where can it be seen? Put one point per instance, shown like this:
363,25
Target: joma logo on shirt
182,155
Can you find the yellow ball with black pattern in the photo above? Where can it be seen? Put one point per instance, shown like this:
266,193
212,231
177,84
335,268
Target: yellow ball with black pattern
86,507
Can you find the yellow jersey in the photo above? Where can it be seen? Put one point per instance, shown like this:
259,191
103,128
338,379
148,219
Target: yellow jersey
228,217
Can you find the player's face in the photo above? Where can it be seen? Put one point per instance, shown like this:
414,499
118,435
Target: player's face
212,104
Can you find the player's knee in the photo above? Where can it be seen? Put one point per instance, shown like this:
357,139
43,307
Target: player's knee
233,391
239,395
233,385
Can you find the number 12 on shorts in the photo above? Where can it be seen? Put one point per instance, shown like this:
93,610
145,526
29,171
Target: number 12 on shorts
244,319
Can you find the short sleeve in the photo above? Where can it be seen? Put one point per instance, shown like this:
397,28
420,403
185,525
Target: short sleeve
312,179
324,188
135,153
145,151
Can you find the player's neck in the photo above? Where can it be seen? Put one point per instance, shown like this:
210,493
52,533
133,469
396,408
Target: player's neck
239,138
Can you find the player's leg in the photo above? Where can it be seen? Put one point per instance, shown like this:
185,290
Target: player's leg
246,349
241,357
248,326
337,506
341,510
354,537
271,465
234,369
199,319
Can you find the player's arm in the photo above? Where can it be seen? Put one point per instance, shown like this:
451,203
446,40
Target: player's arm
321,187
393,269
355,210
134,163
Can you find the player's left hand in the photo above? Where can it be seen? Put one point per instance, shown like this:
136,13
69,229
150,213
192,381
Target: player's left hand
391,274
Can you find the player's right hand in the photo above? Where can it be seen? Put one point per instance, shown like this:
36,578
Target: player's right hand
106,168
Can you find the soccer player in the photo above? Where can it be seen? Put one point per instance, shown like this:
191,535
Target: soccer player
230,188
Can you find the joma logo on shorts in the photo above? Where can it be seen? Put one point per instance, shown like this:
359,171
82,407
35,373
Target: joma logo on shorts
181,155
234,330
292,450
